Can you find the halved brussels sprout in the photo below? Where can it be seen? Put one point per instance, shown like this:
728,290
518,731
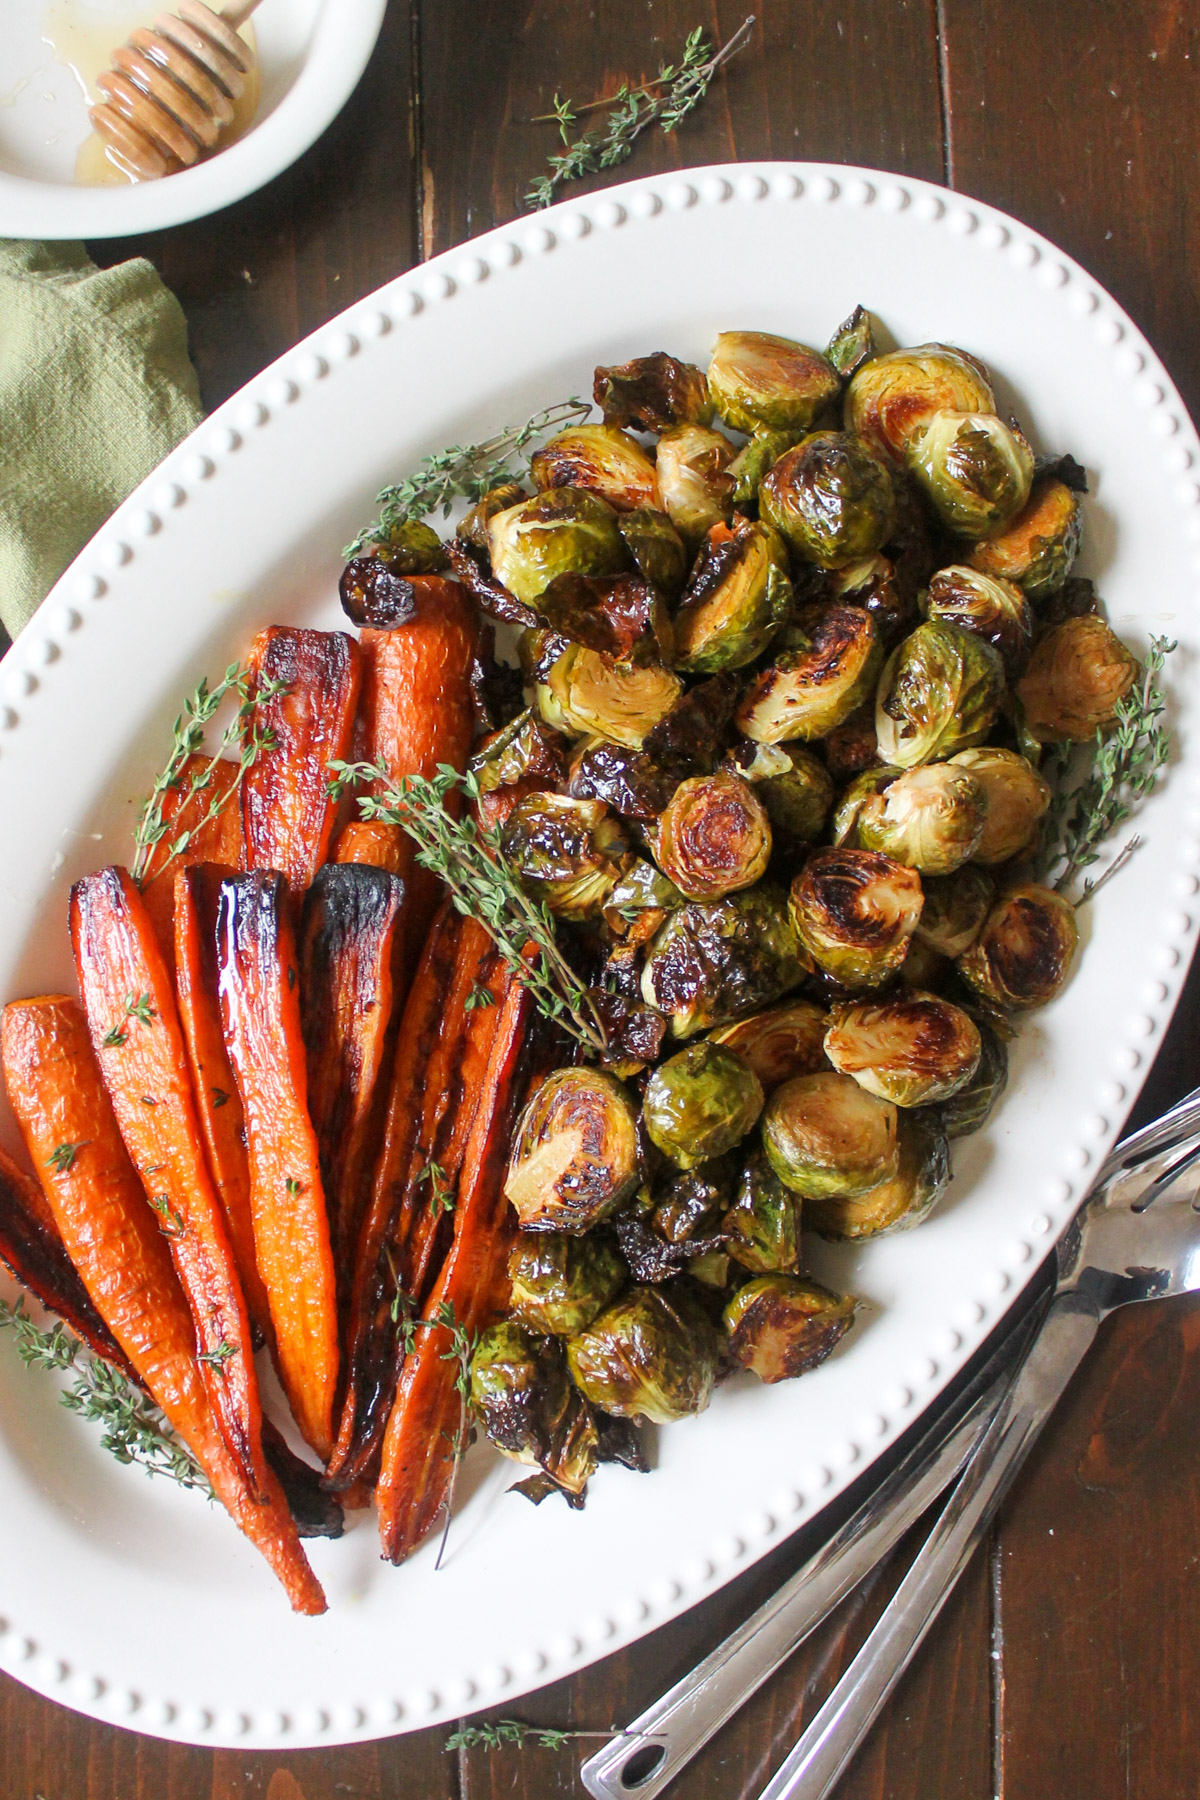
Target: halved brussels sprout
652,1355
562,530
975,470
635,783
694,479
1017,800
989,606
473,527
712,962
805,693
1023,955
892,398
826,1135
586,695
524,747
1038,548
652,393
763,382
575,1152
954,910
831,498
569,852
785,1041
781,1326
739,595
940,691
762,1227
699,1103
521,1394
621,617
967,1110
753,460
642,889
560,1284
853,343
905,1199
656,548
714,836
872,583
911,1048
854,911
410,547
930,818
691,1202
600,459
1077,675
793,784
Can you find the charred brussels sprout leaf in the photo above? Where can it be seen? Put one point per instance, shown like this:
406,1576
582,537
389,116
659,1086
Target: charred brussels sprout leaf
987,605
967,1110
753,460
656,548
905,1199
376,594
739,595
974,469
652,393
1077,675
940,691
855,911
793,784
694,481
714,836
652,1355
873,583
634,783
760,382
1023,955
780,1326
851,747
561,531
782,1042
643,888
931,818
587,695
806,692
1038,549
567,851
954,910
575,1152
699,1103
560,1284
913,1048
690,1204
891,399
522,1396
712,962
1017,801
824,1135
600,459
651,1257
635,1033
831,498
762,1227
621,617
853,343
493,599
525,747
697,724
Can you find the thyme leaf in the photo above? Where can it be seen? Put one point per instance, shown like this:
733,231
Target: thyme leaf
460,1350
62,1157
515,1731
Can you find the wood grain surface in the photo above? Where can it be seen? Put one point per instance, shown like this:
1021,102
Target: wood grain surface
1068,1663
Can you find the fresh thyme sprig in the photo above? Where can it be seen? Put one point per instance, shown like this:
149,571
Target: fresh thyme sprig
467,858
462,472
441,1190
516,1731
134,1431
460,1351
666,101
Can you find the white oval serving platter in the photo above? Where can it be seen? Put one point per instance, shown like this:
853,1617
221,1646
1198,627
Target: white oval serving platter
139,1604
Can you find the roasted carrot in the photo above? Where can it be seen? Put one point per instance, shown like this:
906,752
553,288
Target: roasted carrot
374,842
260,1013
287,813
218,1103
130,1005
112,1238
418,1455
218,840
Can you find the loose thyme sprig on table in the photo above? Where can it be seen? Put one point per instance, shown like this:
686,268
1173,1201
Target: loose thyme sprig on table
666,101
516,1731
462,472
467,858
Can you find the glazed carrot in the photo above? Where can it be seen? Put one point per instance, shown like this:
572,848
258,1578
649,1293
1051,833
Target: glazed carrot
218,1103
114,1242
219,840
130,1005
373,841
287,813
260,1014
417,1461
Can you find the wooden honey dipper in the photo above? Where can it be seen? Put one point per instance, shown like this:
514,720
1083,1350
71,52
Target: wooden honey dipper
172,86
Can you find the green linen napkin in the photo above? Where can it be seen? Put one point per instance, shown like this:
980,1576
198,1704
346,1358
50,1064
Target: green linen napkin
95,388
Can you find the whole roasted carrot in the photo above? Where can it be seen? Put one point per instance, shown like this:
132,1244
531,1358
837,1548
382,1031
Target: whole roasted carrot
260,1012
218,839
130,1005
113,1240
287,813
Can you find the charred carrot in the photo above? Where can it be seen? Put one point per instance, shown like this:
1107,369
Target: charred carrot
287,813
218,1103
260,1014
112,1239
214,840
375,842
130,1005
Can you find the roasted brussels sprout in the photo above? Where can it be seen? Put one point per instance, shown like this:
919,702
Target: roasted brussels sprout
560,1284
781,1326
739,595
786,1040
715,961
1017,800
793,784
761,382
872,583
521,1394
853,343
694,481
854,911
569,852
699,1103
524,747
562,530
806,692
831,498
634,783
905,1198
622,617
892,398
575,1152
714,836
1023,955
826,1135
954,910
940,691
473,527
989,606
691,1202
930,818
585,694
1077,675
913,1048
652,1355
762,1227
656,548
1038,548
652,393
974,469
967,1110
697,725
752,461
643,889
410,547
600,459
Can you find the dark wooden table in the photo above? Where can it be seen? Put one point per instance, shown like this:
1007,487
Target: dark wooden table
1068,1663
